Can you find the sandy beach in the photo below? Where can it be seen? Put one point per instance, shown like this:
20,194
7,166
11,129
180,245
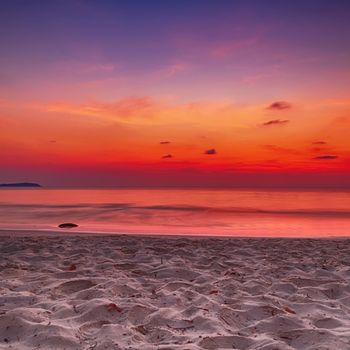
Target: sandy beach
134,292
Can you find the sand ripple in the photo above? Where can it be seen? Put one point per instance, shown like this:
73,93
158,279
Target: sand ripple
127,292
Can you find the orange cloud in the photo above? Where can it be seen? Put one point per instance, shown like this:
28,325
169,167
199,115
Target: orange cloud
136,130
126,108
276,122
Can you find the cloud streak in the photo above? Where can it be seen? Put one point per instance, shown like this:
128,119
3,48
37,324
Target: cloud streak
326,157
279,106
126,108
167,156
276,122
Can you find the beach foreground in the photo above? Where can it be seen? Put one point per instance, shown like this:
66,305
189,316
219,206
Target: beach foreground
137,292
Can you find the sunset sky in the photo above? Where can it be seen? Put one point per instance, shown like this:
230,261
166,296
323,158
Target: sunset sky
175,93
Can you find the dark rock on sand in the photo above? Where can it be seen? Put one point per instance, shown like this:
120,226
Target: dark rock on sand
67,225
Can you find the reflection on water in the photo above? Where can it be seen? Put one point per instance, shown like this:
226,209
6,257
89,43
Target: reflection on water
233,212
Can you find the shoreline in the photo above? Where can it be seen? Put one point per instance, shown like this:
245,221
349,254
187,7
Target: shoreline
73,232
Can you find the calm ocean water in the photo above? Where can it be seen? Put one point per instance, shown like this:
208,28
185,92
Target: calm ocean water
232,212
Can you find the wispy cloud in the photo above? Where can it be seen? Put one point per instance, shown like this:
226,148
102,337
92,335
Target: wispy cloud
222,46
174,69
279,106
126,108
319,143
276,122
164,142
77,67
326,157
148,109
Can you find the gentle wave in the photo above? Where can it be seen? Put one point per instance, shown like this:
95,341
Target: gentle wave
112,207
181,211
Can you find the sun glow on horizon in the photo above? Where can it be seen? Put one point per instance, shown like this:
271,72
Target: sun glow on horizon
111,93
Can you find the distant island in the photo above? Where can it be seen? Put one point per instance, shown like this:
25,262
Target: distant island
21,184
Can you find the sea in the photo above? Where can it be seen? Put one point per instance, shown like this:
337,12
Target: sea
180,211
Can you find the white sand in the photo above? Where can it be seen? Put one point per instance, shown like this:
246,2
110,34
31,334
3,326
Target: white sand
128,292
